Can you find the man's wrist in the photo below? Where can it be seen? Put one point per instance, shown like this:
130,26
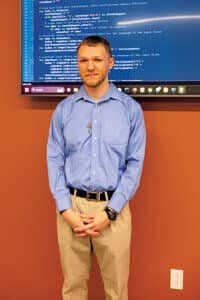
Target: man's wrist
62,211
111,213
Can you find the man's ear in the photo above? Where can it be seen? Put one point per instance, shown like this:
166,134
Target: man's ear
112,61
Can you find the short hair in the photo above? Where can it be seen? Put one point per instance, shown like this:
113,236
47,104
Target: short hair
93,41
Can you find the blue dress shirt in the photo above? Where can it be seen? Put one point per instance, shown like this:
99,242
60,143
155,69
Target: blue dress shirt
96,146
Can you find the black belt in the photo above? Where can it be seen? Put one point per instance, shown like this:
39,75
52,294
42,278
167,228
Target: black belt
98,196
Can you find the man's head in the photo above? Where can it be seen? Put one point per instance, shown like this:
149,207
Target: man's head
94,61
93,41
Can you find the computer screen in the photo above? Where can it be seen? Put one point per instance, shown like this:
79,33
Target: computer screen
155,43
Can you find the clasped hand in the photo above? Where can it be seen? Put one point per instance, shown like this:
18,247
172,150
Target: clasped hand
82,224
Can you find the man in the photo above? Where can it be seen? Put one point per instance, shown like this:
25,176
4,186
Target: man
95,154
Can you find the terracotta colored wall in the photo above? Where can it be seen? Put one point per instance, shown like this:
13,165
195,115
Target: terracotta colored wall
166,209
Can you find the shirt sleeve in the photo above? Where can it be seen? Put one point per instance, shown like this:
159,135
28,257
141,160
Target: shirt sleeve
130,179
56,161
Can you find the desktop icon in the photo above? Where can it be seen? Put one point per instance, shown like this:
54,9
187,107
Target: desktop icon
68,90
150,90
181,89
165,90
127,90
142,89
60,90
158,89
134,90
173,89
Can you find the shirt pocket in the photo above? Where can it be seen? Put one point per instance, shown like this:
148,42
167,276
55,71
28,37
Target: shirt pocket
115,129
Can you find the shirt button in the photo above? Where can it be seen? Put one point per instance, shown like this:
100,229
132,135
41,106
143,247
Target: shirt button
95,137
94,154
95,121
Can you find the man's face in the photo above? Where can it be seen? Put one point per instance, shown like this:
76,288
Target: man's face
94,62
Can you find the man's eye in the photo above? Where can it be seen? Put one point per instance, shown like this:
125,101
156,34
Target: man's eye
98,59
82,60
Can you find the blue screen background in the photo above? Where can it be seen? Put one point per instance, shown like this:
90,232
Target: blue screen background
148,51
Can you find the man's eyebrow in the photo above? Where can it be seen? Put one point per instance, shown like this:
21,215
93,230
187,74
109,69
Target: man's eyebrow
85,57
82,57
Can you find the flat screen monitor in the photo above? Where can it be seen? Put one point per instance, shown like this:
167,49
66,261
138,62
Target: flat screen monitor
155,43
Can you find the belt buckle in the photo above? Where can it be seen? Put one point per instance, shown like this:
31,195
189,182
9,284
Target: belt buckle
91,199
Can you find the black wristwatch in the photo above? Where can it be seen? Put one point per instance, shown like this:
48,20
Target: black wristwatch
62,211
111,213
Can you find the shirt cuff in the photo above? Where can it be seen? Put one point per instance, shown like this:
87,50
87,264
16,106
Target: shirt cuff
64,203
117,202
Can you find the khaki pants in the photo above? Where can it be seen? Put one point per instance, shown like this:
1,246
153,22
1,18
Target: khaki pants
112,249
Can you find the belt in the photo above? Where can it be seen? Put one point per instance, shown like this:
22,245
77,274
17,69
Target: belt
91,196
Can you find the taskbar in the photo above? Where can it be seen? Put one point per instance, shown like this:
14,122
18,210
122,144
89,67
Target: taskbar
134,90
52,90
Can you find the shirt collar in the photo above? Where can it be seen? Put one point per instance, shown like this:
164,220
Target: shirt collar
112,93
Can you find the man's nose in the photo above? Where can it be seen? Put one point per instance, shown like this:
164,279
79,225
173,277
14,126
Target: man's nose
90,65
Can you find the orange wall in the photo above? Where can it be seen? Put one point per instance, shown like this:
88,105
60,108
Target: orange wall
166,209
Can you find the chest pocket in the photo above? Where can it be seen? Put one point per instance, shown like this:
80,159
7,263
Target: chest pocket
115,128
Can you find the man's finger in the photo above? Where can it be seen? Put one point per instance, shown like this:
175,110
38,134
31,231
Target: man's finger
80,234
90,216
86,220
84,227
93,233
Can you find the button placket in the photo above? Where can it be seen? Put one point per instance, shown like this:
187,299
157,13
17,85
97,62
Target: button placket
95,140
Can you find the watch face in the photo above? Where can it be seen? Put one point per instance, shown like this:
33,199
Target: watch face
112,215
